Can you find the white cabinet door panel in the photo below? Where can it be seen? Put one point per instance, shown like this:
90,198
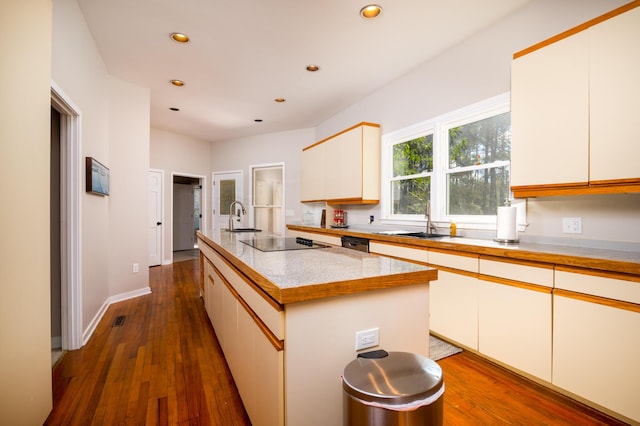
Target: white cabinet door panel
515,327
615,97
550,114
596,353
453,308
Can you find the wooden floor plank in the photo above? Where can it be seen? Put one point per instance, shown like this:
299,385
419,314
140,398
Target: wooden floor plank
164,366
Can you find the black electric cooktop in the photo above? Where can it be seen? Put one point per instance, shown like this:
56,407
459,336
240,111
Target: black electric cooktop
281,244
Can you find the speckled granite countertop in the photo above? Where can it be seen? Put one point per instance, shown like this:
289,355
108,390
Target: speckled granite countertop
619,261
298,275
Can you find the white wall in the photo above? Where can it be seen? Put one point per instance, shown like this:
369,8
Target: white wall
78,69
25,101
281,147
129,202
182,155
477,69
114,130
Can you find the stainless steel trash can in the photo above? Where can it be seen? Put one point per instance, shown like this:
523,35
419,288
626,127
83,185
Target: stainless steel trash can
392,389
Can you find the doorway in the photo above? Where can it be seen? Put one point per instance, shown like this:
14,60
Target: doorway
66,187
187,215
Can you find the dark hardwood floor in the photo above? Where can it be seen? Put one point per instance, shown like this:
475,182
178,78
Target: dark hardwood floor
163,366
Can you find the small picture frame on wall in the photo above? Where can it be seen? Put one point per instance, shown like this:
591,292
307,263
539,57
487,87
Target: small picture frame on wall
97,177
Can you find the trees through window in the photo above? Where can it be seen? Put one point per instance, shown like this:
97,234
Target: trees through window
459,161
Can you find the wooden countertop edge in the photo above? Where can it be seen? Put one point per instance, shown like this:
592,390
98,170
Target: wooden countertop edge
341,288
607,265
288,295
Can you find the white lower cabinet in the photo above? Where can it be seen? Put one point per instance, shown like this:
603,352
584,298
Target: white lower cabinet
453,308
515,327
453,300
514,314
596,342
255,363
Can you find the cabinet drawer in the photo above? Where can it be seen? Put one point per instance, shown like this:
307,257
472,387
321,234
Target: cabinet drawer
531,273
464,262
608,285
401,252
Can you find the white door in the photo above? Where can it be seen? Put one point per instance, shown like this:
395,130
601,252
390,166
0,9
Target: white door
183,217
155,217
227,188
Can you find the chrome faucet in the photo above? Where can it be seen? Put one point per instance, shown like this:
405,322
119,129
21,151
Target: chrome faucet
231,213
427,213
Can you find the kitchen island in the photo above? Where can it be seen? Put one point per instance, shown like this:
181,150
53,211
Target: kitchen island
287,320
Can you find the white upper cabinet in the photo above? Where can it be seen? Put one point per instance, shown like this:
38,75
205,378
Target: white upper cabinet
550,115
344,168
312,187
615,98
574,102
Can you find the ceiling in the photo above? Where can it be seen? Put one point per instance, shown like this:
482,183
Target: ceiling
245,53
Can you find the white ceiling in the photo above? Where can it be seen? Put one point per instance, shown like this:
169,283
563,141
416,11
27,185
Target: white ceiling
245,53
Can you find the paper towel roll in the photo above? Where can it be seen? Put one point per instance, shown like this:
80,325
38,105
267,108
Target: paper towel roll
507,224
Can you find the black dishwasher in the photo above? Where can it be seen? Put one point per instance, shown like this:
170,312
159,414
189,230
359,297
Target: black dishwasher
356,243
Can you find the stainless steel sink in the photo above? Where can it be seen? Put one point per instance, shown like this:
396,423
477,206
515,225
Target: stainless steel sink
244,230
425,235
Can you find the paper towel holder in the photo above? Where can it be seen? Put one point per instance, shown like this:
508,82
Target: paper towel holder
507,203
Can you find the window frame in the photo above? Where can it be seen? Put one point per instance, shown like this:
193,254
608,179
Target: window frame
440,126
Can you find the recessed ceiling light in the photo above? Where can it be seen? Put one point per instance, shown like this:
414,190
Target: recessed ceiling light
312,68
179,37
178,83
370,11
174,109
280,100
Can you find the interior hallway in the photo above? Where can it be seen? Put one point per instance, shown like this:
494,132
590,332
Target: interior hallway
155,360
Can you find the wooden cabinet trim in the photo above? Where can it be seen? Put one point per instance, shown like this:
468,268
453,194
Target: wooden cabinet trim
600,187
602,274
455,253
454,271
273,339
579,28
612,303
517,284
531,263
338,201
364,123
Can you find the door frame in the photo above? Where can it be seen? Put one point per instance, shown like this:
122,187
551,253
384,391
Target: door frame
203,204
71,217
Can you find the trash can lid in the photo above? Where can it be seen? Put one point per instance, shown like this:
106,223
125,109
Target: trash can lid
399,378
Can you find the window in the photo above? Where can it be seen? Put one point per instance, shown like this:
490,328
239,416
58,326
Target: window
458,161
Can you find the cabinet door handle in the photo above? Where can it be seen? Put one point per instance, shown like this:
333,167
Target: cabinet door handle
158,223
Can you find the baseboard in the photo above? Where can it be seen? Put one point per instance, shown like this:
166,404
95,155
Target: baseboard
56,342
103,309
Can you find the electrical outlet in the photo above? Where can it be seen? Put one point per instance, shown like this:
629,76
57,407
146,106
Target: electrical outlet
136,268
367,338
572,225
